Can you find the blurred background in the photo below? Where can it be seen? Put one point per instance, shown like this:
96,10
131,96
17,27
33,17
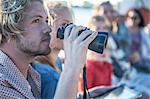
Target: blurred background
83,8
126,59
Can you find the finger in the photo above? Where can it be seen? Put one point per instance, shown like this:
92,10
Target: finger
75,31
89,39
68,30
83,36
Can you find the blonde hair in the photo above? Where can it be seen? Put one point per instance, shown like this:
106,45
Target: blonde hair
11,13
57,6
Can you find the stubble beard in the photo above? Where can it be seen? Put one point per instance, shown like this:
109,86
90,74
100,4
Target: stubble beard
28,48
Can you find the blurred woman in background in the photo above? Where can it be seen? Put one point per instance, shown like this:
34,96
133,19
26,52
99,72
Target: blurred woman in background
137,46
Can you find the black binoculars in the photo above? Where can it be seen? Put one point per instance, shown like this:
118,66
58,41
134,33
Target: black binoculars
97,45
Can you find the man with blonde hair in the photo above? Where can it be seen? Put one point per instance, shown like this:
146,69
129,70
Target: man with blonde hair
25,34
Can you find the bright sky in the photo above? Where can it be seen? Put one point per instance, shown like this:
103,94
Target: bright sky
92,1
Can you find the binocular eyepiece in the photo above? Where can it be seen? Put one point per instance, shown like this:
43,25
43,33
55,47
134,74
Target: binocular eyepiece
97,45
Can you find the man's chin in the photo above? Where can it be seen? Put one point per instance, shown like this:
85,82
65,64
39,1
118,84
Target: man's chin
41,53
46,52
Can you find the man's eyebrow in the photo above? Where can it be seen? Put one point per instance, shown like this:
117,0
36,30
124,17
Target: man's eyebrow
36,16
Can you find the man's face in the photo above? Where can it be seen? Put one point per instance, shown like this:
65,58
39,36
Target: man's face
36,38
64,17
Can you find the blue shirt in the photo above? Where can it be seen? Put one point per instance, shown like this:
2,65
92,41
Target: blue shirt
49,79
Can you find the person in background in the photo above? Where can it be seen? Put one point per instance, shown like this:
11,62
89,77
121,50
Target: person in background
116,21
137,51
106,9
98,66
116,32
137,46
50,66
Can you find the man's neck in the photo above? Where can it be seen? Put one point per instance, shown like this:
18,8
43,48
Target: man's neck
20,59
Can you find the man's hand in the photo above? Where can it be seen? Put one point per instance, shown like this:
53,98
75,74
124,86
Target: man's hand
75,48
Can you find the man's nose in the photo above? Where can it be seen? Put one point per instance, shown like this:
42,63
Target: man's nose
47,30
